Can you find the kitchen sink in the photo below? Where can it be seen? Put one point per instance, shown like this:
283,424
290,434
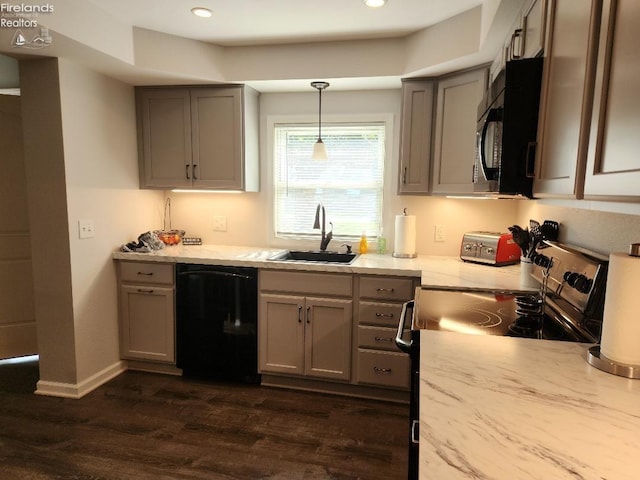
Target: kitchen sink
313,256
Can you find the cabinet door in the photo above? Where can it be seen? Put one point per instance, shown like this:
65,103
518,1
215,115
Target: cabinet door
566,100
613,164
533,26
164,131
455,132
281,334
148,323
415,136
328,338
217,132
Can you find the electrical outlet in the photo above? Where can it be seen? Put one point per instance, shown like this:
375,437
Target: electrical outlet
440,233
220,223
85,229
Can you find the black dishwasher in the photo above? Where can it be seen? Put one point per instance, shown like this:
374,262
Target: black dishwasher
217,322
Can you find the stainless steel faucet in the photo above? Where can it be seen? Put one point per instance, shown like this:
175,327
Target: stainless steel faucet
325,237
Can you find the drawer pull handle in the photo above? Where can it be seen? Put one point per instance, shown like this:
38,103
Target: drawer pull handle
148,274
142,290
385,290
308,314
381,370
299,313
388,315
383,339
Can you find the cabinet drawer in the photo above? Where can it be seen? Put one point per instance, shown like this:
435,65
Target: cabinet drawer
399,289
306,283
379,338
383,314
389,369
144,272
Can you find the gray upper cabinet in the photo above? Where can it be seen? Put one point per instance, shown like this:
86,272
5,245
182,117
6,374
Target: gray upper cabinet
533,28
198,137
415,136
566,98
613,164
457,103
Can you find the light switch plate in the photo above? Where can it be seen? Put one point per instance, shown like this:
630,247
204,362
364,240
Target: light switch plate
220,223
85,229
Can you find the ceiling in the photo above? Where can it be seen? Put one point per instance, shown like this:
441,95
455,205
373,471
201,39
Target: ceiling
252,22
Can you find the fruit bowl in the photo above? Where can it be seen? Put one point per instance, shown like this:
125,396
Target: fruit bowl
170,237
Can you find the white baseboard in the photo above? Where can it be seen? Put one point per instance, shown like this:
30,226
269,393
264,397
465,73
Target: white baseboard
78,390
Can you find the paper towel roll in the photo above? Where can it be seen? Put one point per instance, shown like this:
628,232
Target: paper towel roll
405,238
621,322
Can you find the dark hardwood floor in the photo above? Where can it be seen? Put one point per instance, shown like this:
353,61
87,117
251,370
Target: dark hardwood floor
148,426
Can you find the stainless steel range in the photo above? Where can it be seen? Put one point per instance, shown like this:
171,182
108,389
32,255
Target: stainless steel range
567,306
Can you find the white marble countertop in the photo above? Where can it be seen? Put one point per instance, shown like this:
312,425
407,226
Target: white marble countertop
439,271
505,408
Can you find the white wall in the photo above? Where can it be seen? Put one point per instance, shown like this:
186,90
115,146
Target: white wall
99,130
249,214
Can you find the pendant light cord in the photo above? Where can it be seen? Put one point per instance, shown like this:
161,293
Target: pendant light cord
320,114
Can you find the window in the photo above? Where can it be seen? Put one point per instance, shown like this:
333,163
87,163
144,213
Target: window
349,184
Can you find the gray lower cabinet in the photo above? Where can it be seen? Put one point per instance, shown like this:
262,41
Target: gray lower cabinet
305,324
379,361
147,311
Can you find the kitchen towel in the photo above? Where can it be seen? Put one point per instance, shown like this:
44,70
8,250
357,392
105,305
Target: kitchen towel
621,321
405,238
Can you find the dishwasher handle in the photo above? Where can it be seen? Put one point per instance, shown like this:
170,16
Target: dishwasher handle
400,342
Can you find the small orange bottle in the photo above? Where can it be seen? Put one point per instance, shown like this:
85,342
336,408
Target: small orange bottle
364,245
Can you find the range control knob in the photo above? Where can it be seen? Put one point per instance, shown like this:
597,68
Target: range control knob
578,281
542,260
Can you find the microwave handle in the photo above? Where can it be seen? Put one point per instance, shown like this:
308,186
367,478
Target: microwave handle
493,116
530,160
401,342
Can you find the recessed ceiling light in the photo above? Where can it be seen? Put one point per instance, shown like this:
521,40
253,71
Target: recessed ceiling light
201,12
374,3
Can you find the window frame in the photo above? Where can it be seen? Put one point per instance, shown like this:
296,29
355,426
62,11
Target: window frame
272,121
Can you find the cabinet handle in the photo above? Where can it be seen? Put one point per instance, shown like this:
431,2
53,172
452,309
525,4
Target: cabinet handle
415,430
195,177
308,314
187,171
299,313
381,370
383,339
531,160
148,274
142,290
404,176
388,315
516,34
389,290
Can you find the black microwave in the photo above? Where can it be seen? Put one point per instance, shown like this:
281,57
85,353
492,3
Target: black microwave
506,131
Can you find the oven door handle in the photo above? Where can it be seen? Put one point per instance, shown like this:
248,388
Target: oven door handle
400,342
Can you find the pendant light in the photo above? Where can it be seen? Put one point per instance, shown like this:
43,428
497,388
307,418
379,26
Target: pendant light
319,149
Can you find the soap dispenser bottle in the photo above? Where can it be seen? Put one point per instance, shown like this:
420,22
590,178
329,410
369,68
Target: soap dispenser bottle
364,246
